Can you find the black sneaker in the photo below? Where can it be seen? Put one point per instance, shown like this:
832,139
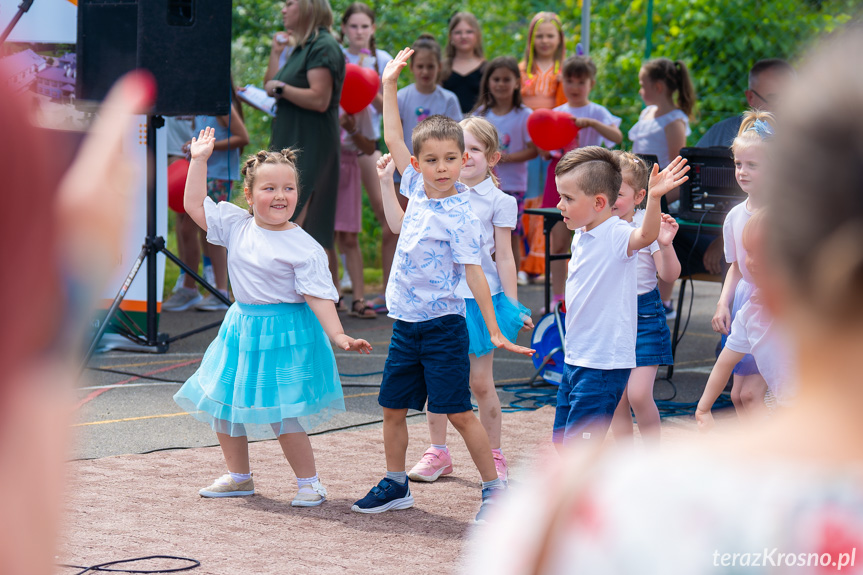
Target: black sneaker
384,496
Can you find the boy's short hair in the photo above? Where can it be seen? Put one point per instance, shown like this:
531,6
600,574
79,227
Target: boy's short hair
597,170
437,127
578,67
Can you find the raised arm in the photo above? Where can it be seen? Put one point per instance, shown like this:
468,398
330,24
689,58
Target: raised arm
479,288
196,180
392,208
393,131
715,384
660,183
667,264
281,40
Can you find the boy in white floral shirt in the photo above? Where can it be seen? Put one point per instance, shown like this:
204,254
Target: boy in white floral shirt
439,244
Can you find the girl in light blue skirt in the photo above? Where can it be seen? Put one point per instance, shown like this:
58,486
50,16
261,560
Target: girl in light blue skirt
271,369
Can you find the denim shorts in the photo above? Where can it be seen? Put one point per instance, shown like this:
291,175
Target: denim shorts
428,360
653,344
586,400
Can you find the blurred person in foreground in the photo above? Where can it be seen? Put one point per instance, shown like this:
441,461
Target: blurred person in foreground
64,240
778,496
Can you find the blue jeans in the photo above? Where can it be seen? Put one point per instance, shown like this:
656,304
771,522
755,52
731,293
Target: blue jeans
586,400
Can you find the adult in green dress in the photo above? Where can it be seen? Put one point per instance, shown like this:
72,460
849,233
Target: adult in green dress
307,91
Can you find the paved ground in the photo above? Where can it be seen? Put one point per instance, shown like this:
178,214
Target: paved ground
122,414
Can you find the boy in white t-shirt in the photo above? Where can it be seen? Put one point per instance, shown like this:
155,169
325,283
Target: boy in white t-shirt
601,296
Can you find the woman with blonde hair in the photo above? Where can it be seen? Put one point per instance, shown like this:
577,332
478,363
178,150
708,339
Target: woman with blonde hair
307,91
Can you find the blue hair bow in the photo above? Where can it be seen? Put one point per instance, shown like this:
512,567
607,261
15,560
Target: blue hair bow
761,128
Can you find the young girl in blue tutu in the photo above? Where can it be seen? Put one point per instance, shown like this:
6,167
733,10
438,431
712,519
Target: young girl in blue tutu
498,213
271,366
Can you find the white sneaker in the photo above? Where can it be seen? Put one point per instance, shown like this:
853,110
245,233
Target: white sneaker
310,495
212,303
182,299
522,279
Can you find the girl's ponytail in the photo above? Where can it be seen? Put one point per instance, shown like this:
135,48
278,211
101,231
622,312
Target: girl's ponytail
686,91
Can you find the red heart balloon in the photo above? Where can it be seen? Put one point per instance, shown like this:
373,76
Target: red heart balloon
359,89
177,173
551,130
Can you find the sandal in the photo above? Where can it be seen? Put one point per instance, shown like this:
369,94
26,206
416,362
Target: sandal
360,309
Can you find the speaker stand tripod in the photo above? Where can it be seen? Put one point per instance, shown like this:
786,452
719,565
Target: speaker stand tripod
149,339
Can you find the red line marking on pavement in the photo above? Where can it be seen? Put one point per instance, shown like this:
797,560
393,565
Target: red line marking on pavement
93,395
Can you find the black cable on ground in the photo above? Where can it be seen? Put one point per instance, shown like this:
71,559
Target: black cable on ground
194,563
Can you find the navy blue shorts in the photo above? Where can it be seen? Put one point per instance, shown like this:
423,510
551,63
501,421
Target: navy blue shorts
586,400
428,359
653,344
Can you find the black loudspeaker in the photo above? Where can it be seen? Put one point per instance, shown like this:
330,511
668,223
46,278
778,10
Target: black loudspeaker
185,44
107,45
712,189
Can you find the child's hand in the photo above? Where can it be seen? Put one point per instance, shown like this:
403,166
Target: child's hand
672,176
526,323
386,167
348,343
394,66
721,321
704,419
499,341
544,154
583,122
348,122
202,146
667,230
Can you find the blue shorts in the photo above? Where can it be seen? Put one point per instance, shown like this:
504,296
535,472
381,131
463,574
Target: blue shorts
653,343
586,400
428,359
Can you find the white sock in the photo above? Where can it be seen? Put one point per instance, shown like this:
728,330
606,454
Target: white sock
400,477
240,477
493,484
441,447
301,481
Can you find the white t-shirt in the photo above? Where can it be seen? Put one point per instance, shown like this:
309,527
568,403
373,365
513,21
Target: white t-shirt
513,137
646,263
648,133
180,130
732,234
415,107
494,209
366,61
589,136
364,127
601,303
268,266
753,332
437,238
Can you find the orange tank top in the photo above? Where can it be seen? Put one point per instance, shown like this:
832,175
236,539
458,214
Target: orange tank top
543,90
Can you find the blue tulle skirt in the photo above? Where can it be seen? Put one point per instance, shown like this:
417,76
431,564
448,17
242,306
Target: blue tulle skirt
270,370
509,318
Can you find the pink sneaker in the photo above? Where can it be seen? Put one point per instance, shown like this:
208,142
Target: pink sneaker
500,466
434,463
